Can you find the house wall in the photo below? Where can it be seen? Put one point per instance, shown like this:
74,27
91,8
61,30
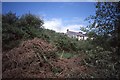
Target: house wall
85,37
80,38
72,36
75,35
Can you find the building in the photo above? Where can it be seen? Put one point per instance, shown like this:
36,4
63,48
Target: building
78,35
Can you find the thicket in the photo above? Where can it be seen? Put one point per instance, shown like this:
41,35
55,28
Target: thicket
106,55
28,26
16,29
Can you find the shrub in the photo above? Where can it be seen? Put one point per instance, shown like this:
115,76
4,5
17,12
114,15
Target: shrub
15,29
103,60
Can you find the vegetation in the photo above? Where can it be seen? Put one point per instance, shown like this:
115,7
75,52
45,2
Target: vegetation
16,29
107,19
100,52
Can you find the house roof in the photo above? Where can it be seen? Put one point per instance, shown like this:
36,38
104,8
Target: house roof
75,33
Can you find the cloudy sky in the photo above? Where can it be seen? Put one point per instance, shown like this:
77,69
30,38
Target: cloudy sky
58,16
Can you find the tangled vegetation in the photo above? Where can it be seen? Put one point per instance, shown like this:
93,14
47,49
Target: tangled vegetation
100,52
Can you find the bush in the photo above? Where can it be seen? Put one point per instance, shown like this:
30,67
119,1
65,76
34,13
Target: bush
63,54
15,29
103,60
30,20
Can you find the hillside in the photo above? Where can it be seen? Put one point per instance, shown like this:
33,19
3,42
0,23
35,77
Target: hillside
37,59
31,51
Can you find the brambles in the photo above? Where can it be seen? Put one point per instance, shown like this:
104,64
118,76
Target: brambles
30,50
103,61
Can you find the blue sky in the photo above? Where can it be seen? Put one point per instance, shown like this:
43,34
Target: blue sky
57,16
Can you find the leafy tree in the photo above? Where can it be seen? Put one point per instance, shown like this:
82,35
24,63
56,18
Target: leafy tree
15,28
83,29
9,18
91,34
31,20
10,32
107,19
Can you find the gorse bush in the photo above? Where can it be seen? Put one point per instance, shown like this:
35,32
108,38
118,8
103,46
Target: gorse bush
30,20
67,44
105,62
15,29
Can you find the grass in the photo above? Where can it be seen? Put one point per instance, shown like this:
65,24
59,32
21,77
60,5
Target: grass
65,55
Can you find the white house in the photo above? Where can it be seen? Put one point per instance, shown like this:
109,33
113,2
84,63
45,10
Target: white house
78,35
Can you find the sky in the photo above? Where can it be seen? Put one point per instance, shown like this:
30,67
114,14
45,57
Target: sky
57,16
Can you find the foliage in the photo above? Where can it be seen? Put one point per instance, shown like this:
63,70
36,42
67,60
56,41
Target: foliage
15,29
62,54
28,26
107,19
91,34
84,29
102,60
107,27
99,54
30,20
9,18
64,43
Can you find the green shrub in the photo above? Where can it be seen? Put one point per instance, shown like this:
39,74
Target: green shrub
63,54
15,29
103,60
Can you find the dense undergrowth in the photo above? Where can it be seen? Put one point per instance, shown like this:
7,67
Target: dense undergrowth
15,30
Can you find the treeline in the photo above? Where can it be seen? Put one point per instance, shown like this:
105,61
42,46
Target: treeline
28,26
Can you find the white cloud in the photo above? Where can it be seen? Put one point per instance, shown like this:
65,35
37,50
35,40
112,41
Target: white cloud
53,24
74,27
58,25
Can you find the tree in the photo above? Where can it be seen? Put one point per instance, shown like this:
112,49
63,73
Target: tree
107,19
15,28
10,32
9,18
84,29
31,20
